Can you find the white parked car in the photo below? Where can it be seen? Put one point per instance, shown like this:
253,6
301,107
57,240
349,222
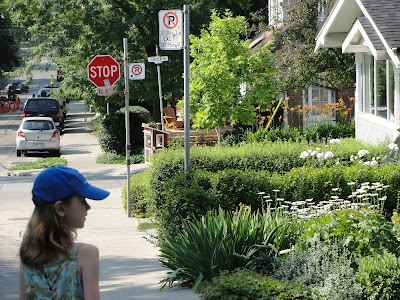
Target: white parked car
38,134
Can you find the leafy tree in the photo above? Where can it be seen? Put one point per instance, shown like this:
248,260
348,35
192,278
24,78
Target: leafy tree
297,66
8,45
71,33
222,63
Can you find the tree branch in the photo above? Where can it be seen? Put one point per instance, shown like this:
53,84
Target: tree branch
124,7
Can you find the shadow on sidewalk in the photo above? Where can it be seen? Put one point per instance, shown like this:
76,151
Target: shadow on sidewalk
133,278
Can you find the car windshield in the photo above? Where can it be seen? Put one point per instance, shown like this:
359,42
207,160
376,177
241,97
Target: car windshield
16,84
38,125
45,103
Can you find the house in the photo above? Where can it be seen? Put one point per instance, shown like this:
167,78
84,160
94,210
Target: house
316,103
371,30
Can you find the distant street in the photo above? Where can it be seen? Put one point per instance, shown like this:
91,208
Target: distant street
11,120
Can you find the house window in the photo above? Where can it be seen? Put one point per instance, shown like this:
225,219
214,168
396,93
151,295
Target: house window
378,87
147,140
319,109
321,11
159,140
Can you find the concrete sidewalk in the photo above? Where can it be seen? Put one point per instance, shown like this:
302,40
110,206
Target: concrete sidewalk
129,267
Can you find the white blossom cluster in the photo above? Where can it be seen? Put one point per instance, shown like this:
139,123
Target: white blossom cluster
373,162
362,153
335,141
317,154
369,195
393,147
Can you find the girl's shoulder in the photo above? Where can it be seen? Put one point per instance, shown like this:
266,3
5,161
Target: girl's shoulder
84,248
87,252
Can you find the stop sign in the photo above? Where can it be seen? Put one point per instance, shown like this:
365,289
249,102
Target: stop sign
103,70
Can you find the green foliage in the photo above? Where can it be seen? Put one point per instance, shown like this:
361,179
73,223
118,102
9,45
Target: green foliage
112,137
220,240
9,47
141,206
222,62
249,285
110,158
362,232
71,33
182,196
317,133
379,276
324,268
297,65
114,158
41,163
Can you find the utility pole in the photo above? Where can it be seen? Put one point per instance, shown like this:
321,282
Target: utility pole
127,128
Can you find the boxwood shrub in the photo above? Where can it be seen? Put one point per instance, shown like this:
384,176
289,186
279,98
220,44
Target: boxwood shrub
200,191
112,136
278,157
244,284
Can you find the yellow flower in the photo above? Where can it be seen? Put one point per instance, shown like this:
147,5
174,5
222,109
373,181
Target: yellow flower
246,207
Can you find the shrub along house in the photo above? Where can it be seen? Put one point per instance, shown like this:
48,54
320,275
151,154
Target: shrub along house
371,30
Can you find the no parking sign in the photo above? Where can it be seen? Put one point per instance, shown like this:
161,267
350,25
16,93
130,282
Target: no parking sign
136,71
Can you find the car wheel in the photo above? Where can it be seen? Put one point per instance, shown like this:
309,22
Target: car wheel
19,153
56,153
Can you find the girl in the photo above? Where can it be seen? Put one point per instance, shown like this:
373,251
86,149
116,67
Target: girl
52,265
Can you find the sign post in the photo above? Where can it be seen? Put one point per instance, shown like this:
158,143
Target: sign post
174,36
158,60
127,129
186,62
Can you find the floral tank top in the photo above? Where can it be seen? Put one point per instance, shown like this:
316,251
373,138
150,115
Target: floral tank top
57,280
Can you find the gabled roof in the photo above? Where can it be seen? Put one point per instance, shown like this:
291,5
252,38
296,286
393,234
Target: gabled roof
374,23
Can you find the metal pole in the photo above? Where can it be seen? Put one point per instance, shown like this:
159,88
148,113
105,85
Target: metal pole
128,139
186,61
160,90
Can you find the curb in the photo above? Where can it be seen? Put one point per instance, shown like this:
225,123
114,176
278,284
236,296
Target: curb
32,172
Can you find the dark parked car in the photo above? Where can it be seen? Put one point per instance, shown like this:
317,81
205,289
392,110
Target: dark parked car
48,93
44,107
18,87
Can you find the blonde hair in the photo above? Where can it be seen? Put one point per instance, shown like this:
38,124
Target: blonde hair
46,236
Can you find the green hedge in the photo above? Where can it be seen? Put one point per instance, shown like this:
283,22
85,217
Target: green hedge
201,191
112,135
140,196
278,157
250,285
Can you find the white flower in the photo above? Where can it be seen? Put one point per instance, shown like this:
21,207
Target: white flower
351,157
317,149
320,156
373,163
362,152
314,153
393,146
335,141
304,154
328,154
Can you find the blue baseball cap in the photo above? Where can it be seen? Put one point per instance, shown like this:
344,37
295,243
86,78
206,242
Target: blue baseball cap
56,183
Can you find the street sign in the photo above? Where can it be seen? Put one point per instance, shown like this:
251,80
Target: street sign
170,29
105,91
136,71
157,59
103,71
